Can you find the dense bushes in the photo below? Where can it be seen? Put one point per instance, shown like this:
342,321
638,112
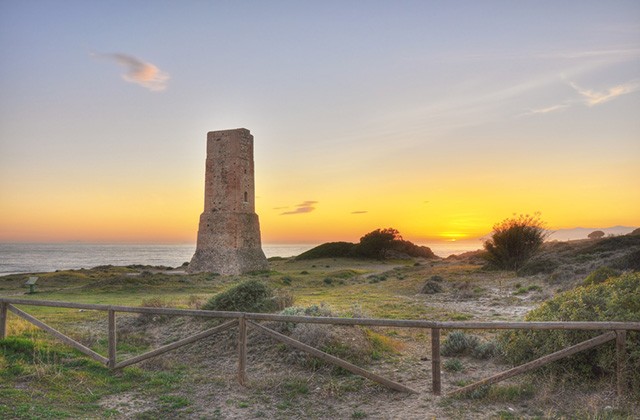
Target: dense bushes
600,275
616,299
459,343
329,250
248,296
514,241
378,244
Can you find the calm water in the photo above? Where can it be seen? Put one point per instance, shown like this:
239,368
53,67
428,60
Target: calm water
36,258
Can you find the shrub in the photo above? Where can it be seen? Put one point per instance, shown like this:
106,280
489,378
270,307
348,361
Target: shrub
486,350
248,296
600,275
537,265
379,244
453,365
458,343
514,241
596,234
375,244
431,287
616,299
313,310
631,261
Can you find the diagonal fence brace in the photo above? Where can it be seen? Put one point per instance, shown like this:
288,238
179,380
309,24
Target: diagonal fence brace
176,344
331,359
534,364
62,337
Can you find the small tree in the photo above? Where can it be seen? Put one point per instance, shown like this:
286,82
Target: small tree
375,244
596,234
514,241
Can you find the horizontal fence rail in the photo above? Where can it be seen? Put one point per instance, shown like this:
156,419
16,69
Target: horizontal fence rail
614,331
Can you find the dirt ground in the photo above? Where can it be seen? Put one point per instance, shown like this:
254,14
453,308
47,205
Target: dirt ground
279,388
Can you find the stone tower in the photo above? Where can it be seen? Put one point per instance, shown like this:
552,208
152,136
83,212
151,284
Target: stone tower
229,231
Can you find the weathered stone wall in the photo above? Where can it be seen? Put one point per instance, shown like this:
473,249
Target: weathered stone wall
229,232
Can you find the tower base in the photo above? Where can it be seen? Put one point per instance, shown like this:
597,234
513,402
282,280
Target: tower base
228,243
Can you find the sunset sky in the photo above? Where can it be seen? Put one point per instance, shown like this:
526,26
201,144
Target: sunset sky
437,118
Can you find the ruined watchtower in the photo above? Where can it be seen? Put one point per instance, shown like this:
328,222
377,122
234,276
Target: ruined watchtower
229,231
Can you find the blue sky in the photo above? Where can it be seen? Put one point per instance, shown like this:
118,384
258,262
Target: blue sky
433,117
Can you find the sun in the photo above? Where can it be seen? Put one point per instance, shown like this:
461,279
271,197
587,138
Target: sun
452,236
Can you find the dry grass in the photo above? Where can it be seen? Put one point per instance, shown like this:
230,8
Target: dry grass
199,380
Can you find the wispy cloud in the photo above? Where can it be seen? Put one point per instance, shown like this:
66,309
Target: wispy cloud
359,212
304,207
548,109
592,97
588,97
139,72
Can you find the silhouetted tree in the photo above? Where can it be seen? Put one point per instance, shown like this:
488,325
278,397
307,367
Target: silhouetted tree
514,241
596,234
375,244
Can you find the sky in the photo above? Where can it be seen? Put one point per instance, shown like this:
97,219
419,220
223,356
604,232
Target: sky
437,118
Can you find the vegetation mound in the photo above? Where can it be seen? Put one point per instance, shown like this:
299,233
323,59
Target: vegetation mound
567,263
248,296
329,250
379,244
616,299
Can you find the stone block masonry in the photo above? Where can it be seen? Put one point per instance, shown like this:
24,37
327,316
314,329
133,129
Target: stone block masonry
229,232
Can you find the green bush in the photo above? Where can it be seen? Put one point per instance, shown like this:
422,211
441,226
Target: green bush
329,250
459,343
375,244
616,299
514,241
600,275
453,365
248,296
485,350
537,265
631,261
431,287
379,244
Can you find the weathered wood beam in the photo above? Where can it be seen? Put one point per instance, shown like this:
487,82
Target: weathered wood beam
66,339
621,362
494,325
242,351
435,361
534,364
111,336
176,344
331,359
3,320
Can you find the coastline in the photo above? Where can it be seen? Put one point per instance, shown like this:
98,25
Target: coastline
18,258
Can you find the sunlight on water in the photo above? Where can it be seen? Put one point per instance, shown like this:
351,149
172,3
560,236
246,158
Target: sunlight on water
34,258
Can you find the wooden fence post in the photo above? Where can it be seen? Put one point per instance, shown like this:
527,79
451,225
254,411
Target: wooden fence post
435,360
3,320
621,362
242,350
112,339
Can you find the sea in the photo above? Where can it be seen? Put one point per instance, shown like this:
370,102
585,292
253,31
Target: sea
40,258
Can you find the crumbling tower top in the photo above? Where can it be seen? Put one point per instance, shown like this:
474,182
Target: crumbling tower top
229,176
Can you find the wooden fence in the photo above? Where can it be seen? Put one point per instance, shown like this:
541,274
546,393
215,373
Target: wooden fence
613,331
